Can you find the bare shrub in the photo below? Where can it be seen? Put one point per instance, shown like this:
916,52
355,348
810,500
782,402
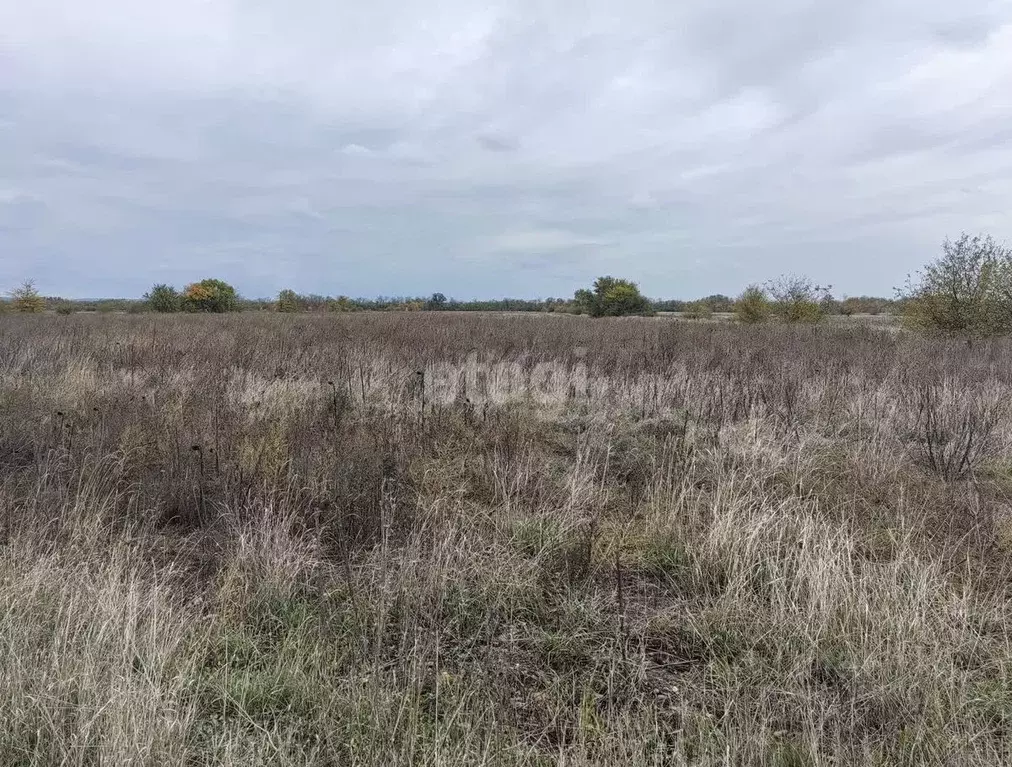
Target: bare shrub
956,430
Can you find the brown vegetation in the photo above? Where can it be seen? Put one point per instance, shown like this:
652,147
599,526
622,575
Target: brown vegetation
373,539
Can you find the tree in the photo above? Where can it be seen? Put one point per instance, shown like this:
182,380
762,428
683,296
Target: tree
795,298
612,297
966,292
26,299
828,304
163,298
340,304
210,296
752,306
289,301
436,302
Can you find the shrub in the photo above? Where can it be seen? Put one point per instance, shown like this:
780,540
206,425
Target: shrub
340,304
957,432
163,298
752,306
796,299
698,310
289,301
210,296
967,292
26,299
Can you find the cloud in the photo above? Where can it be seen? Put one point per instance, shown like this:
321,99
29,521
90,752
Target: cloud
495,141
539,241
501,147
356,150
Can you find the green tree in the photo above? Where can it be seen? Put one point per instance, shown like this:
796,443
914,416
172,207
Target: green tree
289,301
210,296
752,306
583,302
341,304
612,297
163,298
26,299
966,292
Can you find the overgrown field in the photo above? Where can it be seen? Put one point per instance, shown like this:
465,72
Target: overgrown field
501,540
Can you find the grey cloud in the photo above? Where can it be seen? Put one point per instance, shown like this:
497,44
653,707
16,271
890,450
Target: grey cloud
538,241
498,142
967,32
505,146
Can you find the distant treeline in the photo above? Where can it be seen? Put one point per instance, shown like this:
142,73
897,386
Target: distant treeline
719,303
716,304
966,292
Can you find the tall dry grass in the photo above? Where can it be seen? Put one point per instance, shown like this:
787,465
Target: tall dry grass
500,540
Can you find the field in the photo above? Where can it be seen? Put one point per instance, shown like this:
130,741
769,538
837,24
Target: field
375,539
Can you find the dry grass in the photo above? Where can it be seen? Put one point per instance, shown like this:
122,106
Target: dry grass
466,540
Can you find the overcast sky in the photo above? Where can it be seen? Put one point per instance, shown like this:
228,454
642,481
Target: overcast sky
497,147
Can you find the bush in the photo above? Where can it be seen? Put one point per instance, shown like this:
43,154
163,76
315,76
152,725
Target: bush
796,299
340,304
26,299
210,296
289,302
163,298
957,433
752,306
698,310
612,297
967,292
